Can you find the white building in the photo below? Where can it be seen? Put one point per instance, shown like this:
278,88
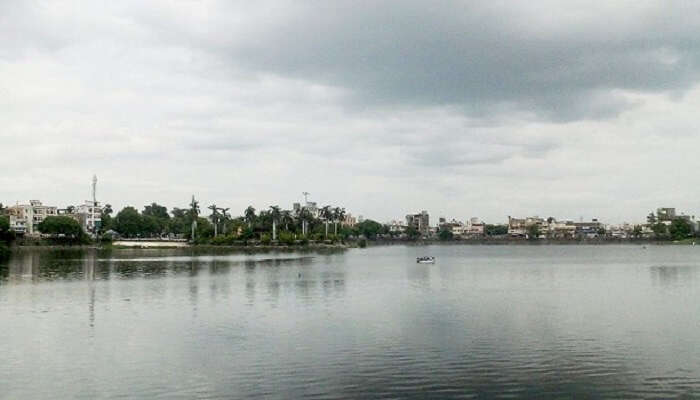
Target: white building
24,218
90,216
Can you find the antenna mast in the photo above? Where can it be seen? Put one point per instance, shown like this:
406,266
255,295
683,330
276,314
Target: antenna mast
94,190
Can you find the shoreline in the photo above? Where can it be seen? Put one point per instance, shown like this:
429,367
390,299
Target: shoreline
355,244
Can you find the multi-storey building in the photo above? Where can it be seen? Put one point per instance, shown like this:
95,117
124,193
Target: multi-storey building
349,221
519,226
420,222
24,218
90,216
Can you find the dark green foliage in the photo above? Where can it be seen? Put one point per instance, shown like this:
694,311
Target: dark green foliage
679,229
412,232
4,252
660,230
128,222
63,229
106,217
286,238
156,210
6,235
495,230
533,232
370,229
445,235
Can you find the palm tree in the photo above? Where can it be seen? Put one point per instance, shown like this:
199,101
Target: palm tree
287,219
304,217
225,216
250,216
214,218
194,213
275,214
338,216
326,214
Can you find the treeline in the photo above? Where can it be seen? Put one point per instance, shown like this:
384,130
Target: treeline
220,227
6,236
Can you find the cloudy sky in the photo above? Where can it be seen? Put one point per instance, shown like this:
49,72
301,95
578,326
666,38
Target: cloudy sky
463,108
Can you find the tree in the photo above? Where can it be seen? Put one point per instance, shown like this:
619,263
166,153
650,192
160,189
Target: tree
338,216
651,218
249,215
128,222
495,230
106,217
533,231
214,218
6,234
637,231
679,229
370,229
275,214
286,219
194,214
225,217
70,209
326,214
412,232
156,210
304,217
445,234
65,228
660,230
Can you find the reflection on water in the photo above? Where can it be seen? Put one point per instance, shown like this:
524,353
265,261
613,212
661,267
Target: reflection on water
483,322
673,275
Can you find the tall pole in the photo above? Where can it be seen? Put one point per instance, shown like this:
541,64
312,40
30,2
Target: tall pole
94,204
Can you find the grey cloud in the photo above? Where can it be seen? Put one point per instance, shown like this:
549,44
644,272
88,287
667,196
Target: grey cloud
480,59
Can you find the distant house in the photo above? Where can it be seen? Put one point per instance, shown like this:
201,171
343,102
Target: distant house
420,222
25,218
518,227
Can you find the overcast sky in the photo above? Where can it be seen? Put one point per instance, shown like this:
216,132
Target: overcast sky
463,108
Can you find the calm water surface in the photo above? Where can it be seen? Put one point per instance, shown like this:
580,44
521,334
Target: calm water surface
483,322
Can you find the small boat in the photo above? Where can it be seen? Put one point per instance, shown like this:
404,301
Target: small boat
425,260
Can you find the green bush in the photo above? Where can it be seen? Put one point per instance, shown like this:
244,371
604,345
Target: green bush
64,229
286,238
265,239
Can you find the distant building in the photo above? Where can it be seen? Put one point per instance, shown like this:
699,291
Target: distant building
90,216
518,227
475,227
25,218
560,229
591,229
397,227
419,222
349,221
665,214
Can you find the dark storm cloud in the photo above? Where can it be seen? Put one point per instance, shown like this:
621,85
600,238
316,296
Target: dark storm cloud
483,56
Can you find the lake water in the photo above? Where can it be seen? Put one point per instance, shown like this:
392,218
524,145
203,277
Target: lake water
483,322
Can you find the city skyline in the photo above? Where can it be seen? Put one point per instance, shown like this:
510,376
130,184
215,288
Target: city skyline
481,109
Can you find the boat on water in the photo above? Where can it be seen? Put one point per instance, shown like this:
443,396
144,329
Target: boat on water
425,260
